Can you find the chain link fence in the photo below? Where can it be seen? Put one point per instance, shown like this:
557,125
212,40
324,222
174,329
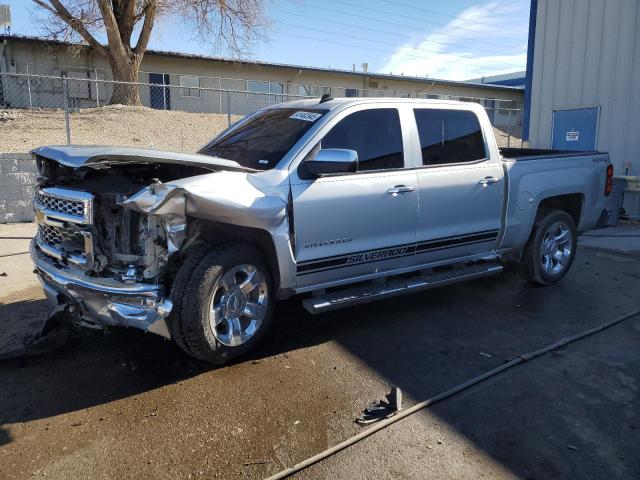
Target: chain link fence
42,109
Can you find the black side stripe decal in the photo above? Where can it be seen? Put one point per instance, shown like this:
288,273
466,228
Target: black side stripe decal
435,244
368,256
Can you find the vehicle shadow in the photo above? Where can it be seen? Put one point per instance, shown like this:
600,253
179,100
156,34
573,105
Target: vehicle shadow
424,343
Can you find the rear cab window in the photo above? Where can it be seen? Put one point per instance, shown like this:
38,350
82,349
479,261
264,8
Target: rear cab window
449,136
374,133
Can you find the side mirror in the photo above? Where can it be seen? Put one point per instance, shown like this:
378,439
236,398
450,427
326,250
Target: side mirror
329,161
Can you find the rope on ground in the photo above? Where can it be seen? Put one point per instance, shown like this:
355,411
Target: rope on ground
610,236
13,254
457,389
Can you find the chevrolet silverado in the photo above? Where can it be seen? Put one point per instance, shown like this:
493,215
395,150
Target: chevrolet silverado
342,201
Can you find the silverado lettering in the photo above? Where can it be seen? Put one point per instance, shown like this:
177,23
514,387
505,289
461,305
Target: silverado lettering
379,255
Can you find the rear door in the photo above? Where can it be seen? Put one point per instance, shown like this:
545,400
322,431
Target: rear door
354,224
460,187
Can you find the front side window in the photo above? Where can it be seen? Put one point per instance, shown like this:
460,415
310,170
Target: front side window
449,136
264,138
375,134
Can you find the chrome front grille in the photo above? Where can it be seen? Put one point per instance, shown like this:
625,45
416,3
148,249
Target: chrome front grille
65,204
62,239
59,205
62,215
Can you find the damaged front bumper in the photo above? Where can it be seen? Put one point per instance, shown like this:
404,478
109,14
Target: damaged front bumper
102,301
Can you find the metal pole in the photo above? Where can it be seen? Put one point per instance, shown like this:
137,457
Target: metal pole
228,108
65,94
164,94
97,91
29,88
509,130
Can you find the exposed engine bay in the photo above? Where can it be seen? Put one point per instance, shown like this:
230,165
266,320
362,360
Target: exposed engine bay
82,219
115,225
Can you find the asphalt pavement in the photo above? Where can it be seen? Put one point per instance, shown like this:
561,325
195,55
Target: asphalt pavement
124,404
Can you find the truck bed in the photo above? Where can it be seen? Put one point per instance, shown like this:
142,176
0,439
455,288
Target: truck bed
522,154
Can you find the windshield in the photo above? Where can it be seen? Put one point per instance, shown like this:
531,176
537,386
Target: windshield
265,138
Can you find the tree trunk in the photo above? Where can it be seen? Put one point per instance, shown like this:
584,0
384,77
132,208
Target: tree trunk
125,93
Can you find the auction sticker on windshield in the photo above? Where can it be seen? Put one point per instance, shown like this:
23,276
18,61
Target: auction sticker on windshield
306,116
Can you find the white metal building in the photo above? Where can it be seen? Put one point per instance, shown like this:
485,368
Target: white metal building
583,78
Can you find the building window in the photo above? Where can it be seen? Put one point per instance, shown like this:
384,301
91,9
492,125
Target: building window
350,92
275,87
312,90
76,88
190,86
256,86
506,106
304,90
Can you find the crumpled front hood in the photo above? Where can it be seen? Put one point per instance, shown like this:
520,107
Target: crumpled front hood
103,156
235,198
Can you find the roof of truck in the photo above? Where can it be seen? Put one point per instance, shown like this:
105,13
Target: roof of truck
315,104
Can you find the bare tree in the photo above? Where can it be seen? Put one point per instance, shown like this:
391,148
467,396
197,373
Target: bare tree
234,24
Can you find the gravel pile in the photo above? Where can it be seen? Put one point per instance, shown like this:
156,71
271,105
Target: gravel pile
143,127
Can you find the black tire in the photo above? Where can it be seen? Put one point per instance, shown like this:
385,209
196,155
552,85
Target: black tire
178,289
193,332
531,265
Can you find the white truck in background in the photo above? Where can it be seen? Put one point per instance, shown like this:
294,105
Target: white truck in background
343,200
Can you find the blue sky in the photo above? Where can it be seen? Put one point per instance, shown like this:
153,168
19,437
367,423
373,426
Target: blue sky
456,39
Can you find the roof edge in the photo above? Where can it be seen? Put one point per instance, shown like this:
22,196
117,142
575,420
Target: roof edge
374,75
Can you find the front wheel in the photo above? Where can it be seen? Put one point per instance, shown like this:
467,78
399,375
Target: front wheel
551,248
225,305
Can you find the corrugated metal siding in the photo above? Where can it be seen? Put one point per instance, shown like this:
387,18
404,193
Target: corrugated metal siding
587,53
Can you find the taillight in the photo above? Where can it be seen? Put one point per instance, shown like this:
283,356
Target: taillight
608,186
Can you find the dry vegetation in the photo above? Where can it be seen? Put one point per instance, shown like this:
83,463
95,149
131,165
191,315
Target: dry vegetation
23,130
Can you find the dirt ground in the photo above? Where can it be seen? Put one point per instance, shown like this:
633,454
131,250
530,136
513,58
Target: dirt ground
122,404
23,130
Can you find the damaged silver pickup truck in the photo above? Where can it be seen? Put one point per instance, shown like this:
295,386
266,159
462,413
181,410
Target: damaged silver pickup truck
346,201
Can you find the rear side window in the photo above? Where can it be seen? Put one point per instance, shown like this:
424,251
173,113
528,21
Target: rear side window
375,134
449,136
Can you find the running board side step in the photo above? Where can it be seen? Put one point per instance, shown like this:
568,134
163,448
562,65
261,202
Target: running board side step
393,287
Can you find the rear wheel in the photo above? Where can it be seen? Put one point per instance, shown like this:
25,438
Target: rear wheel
551,248
226,305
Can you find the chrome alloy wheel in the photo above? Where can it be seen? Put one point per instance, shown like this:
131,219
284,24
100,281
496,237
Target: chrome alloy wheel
238,305
555,252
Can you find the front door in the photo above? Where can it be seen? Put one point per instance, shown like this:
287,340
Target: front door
357,224
159,92
461,189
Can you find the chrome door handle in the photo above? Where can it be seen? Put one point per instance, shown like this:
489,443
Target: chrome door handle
398,189
487,180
